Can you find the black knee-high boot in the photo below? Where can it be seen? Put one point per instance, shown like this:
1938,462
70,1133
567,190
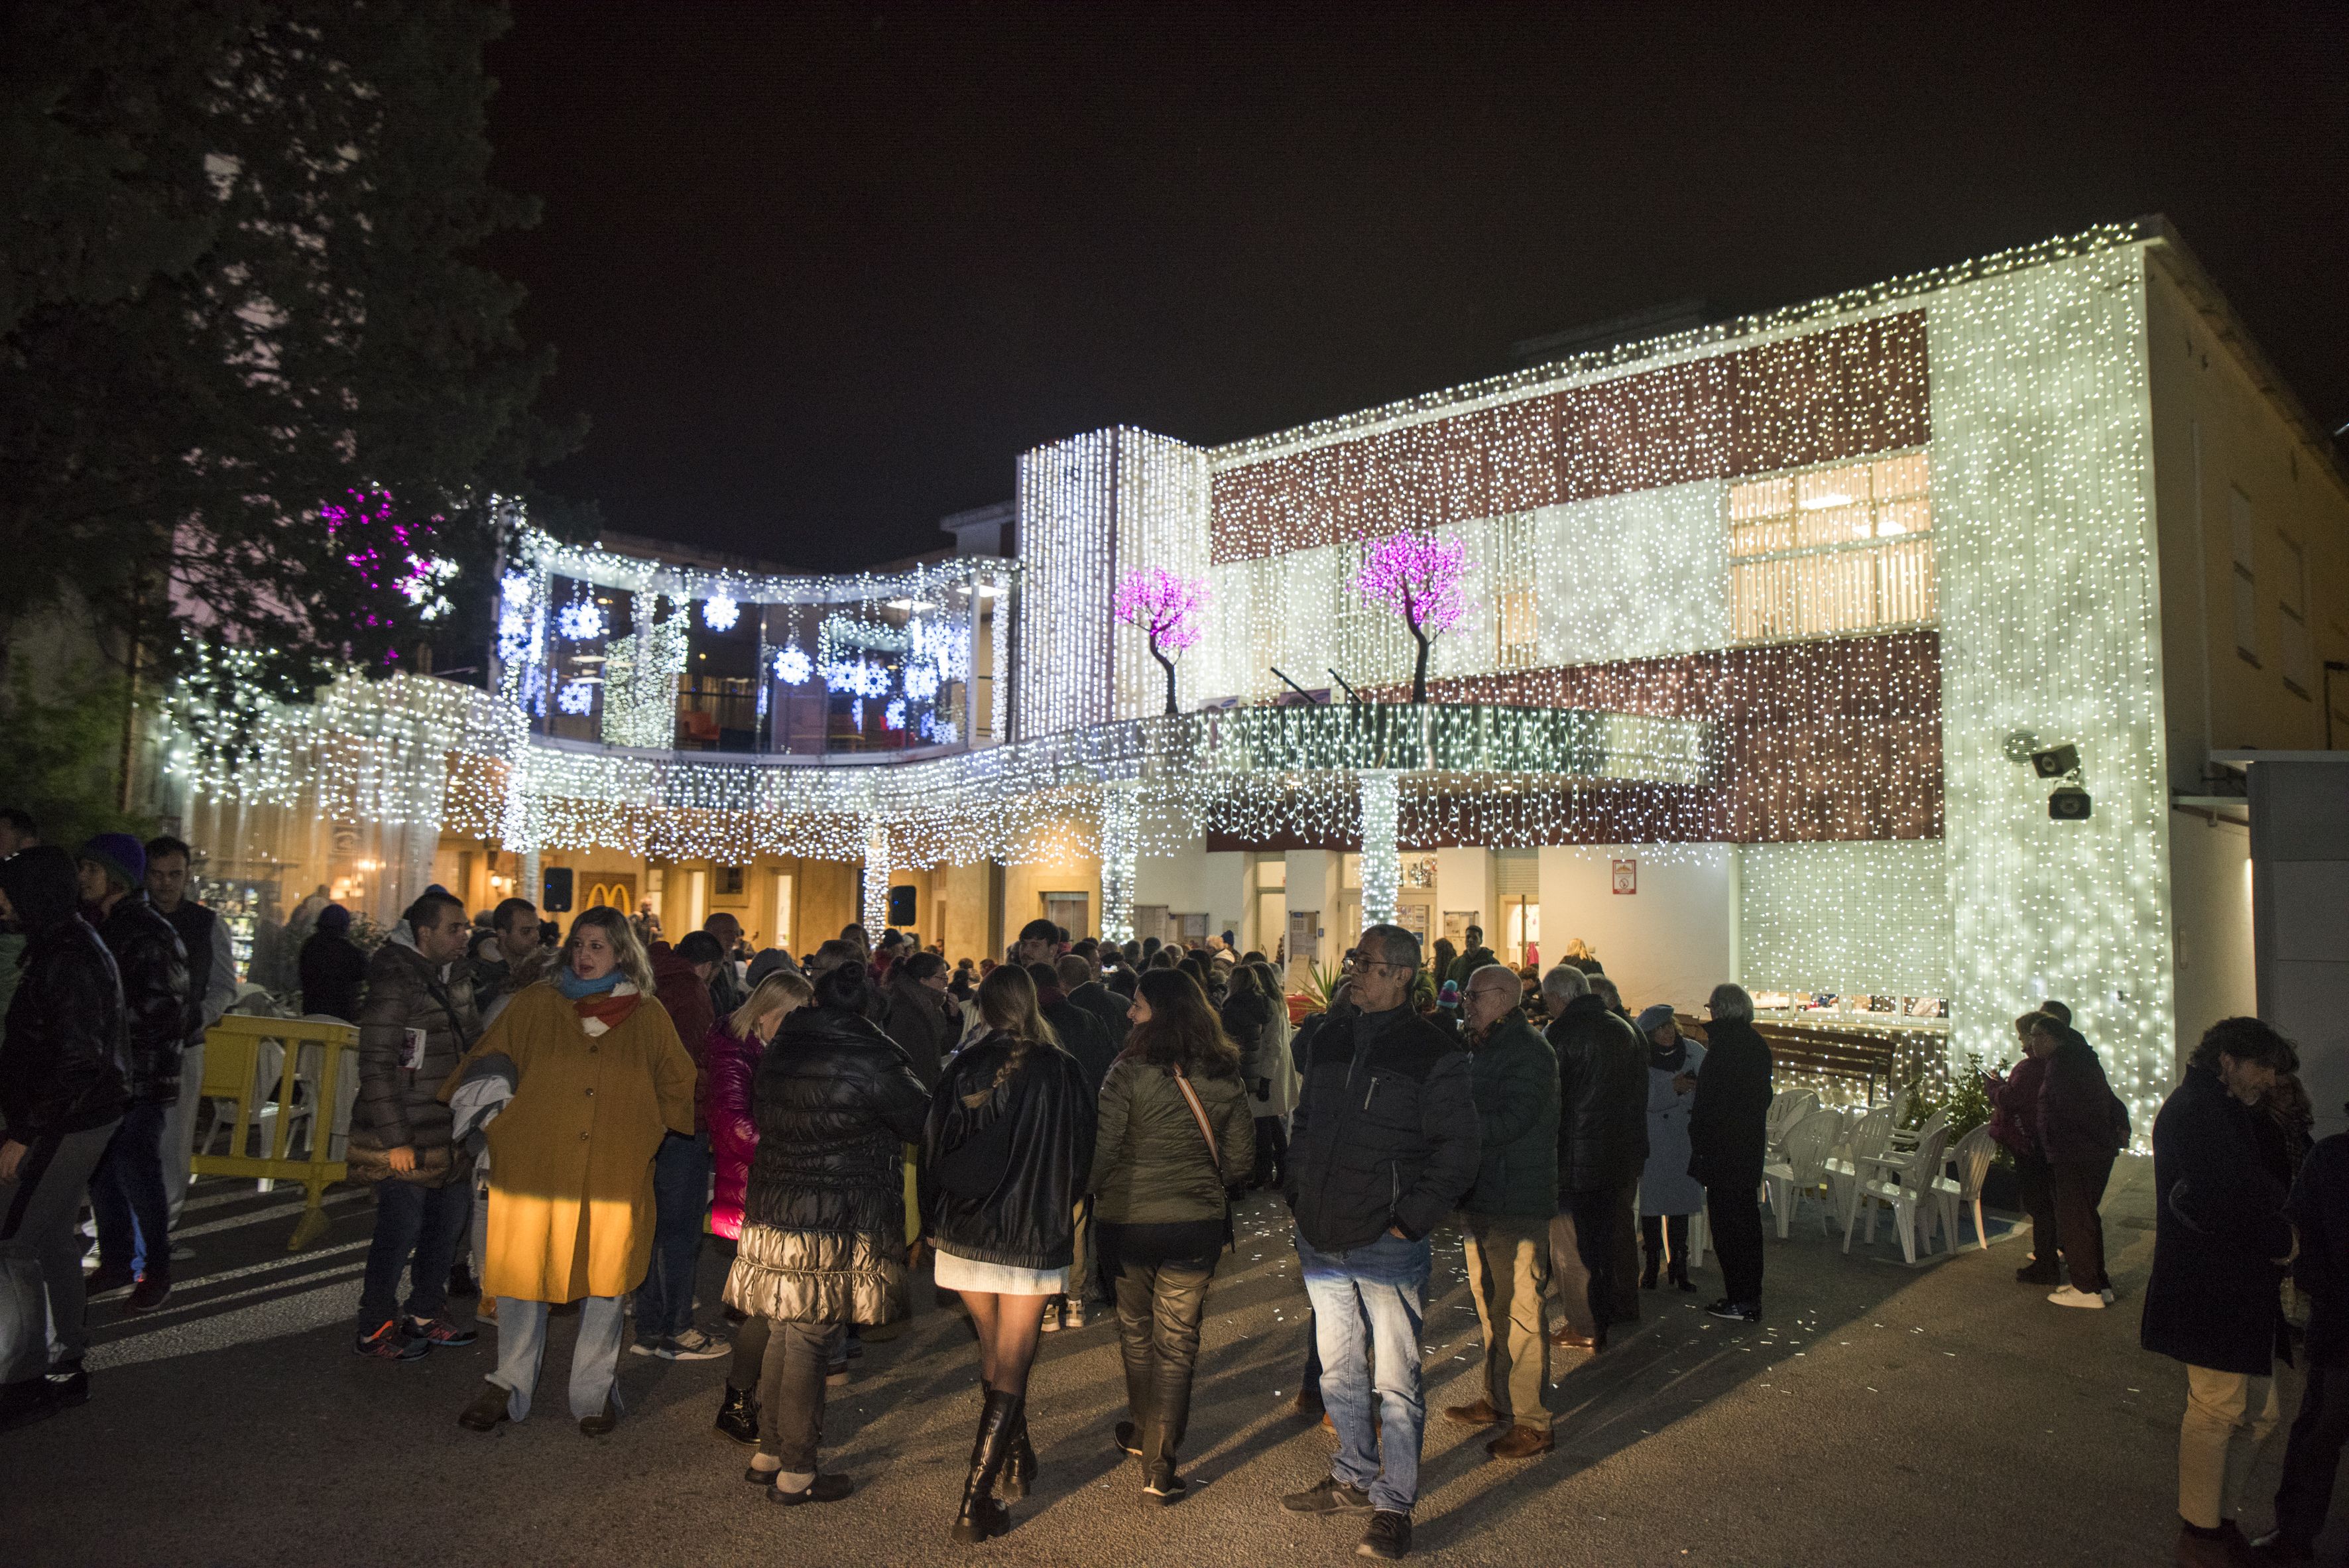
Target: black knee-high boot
981,1516
1020,1464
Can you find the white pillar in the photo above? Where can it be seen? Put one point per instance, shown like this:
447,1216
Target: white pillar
1121,852
876,878
1381,869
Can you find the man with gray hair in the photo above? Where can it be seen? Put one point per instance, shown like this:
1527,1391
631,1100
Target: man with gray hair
1384,1145
1603,1142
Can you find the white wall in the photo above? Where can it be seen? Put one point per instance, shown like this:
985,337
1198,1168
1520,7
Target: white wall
1194,883
1669,941
1313,877
1463,881
2210,913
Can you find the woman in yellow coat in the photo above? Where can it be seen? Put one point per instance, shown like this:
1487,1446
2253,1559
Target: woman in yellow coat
597,1075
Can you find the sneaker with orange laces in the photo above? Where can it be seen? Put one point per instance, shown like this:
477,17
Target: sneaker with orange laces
391,1343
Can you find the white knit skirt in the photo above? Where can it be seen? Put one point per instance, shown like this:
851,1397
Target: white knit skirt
956,1272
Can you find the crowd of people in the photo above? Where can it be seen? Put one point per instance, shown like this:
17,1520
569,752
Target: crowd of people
560,1128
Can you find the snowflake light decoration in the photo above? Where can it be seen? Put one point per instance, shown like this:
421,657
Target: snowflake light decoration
921,682
581,620
794,667
893,715
719,611
575,697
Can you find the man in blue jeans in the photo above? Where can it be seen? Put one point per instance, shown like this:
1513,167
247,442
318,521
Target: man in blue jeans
1383,1146
663,1302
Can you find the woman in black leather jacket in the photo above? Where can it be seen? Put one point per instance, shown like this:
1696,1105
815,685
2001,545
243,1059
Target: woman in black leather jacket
1004,1155
823,1217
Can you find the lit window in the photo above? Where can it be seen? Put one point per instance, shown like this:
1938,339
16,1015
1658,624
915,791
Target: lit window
1832,551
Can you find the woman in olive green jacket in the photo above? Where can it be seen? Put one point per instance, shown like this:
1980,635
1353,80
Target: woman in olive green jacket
1161,1166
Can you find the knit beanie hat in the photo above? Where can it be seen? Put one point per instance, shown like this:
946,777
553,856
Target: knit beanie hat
121,856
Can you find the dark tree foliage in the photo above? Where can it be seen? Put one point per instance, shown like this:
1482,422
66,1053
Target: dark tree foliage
246,369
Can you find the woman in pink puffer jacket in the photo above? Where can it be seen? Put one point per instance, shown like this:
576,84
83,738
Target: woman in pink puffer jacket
736,1043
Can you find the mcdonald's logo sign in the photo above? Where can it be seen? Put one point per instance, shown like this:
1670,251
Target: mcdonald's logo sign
608,890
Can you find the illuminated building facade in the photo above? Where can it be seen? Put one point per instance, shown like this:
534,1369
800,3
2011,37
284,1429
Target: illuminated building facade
1753,632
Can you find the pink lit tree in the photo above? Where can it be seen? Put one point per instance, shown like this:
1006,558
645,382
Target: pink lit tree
1165,607
1418,577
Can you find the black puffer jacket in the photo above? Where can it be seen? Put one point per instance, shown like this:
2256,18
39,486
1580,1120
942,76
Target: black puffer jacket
1003,1164
1385,1132
823,1217
399,1106
1602,1097
62,1066
153,966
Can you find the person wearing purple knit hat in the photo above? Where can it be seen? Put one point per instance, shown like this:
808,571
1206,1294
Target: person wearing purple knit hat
126,1190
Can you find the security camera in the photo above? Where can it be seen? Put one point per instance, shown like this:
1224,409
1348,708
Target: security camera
2069,803
2056,762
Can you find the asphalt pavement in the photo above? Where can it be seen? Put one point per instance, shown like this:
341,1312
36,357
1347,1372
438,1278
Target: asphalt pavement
1880,1415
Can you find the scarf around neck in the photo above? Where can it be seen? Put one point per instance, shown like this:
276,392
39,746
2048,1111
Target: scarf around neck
602,1003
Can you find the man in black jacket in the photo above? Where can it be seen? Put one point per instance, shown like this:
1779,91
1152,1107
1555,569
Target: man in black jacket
1084,988
1602,1142
1729,1134
62,1093
126,1192
2221,1240
1384,1145
211,986
922,1018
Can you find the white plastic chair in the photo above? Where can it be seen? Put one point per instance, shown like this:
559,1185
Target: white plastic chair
1970,1159
1787,1112
1803,1169
1863,1142
1906,1188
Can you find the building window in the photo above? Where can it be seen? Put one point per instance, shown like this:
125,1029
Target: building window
2247,585
1831,551
2291,616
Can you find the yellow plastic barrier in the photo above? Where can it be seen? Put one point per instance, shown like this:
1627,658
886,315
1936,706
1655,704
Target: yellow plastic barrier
231,1063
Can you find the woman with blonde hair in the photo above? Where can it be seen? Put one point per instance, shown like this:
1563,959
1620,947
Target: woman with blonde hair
595,1079
1009,1142
822,1242
731,1055
1175,1134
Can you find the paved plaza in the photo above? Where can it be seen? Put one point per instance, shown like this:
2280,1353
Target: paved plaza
1881,1414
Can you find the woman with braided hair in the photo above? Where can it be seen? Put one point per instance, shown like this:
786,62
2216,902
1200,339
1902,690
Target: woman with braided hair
1006,1151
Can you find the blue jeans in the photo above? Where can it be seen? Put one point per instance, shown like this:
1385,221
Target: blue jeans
1369,1301
427,1221
681,1199
125,1194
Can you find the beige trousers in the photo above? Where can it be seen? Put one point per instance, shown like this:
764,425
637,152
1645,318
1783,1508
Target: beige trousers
1508,1267
2229,1414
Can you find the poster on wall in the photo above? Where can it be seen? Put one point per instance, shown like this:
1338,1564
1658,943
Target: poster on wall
1627,876
1413,918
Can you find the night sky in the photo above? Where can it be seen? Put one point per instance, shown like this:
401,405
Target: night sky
819,274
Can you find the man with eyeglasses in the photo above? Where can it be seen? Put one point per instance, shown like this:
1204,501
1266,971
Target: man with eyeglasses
1383,1146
